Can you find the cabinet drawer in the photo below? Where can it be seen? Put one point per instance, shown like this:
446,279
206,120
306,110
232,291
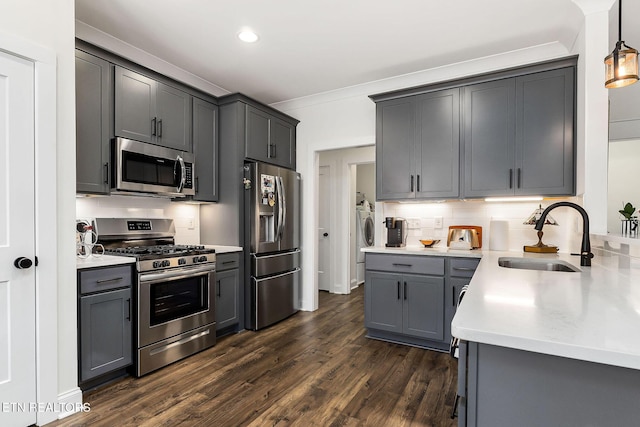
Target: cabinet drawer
405,264
463,267
104,279
227,261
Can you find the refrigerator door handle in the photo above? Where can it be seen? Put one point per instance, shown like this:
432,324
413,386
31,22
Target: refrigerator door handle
278,234
283,206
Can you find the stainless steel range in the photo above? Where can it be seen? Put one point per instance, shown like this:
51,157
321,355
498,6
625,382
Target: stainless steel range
175,303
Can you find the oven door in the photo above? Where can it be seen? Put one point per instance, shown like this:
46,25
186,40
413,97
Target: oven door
173,302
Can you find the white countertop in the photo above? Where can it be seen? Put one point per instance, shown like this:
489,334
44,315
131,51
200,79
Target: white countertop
420,250
109,260
102,261
591,315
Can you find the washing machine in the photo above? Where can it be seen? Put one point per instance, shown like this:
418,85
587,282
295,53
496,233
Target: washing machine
365,231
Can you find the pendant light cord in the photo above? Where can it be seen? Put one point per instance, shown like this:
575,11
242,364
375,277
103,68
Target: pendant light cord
619,20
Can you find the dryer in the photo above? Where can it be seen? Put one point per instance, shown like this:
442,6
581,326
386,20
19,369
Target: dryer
365,234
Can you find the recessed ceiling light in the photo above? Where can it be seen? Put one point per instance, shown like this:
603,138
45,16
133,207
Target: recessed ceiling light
248,36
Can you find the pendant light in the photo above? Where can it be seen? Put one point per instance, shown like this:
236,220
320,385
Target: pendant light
621,66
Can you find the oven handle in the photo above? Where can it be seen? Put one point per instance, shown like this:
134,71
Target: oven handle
182,273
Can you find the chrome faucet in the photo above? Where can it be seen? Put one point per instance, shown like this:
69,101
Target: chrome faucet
585,250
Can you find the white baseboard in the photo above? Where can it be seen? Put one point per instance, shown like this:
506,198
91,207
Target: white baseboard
71,402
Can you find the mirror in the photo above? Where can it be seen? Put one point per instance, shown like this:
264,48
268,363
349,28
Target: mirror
624,125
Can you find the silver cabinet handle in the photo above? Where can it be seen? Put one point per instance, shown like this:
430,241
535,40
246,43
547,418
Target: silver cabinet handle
159,128
402,265
115,279
153,126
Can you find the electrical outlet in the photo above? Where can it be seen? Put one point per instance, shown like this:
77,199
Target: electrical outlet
437,222
413,223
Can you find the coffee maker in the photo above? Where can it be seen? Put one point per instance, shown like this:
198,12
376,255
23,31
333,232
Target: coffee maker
396,232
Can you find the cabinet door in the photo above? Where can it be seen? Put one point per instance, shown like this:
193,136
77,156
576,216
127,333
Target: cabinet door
135,106
282,150
452,291
205,149
93,82
395,149
438,144
383,301
227,305
545,133
173,109
257,134
423,311
489,134
105,332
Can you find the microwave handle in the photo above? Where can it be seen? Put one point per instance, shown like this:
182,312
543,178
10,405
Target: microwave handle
183,173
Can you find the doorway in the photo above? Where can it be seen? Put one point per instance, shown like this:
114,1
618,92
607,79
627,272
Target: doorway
337,203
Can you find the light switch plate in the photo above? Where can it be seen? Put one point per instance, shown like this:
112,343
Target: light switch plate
413,223
437,222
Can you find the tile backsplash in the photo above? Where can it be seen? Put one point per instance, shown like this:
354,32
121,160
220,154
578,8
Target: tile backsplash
567,235
186,216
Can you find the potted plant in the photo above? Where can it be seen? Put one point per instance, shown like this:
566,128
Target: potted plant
630,222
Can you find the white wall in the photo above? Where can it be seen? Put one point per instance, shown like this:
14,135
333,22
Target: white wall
366,181
186,216
346,118
566,236
50,24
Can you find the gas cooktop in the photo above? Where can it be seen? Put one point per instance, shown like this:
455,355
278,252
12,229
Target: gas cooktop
159,251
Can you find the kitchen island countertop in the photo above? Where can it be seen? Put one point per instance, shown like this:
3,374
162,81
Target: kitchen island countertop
590,315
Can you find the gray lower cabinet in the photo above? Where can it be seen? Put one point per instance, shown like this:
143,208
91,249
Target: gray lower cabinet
459,274
205,149
404,299
94,83
417,146
149,111
501,386
227,291
104,321
269,139
519,136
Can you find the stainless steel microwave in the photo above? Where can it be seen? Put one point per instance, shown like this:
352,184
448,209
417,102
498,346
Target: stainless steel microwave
147,168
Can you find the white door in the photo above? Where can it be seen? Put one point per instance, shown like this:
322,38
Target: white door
17,239
324,236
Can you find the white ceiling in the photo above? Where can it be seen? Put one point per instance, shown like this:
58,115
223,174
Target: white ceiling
310,46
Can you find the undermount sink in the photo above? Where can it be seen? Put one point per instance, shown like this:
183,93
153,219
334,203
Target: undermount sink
537,264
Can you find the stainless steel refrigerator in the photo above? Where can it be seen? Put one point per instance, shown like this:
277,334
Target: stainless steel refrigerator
272,228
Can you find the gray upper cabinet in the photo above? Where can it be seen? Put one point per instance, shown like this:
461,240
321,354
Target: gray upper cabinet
150,111
519,136
418,143
205,148
489,136
93,88
269,139
545,133
395,145
438,147
501,134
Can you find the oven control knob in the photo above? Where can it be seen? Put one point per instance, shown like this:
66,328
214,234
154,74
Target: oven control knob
182,261
195,259
166,263
202,259
156,264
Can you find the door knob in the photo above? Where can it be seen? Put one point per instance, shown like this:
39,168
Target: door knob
22,263
325,234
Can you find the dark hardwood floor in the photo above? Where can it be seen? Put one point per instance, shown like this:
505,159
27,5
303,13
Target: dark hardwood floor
313,369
